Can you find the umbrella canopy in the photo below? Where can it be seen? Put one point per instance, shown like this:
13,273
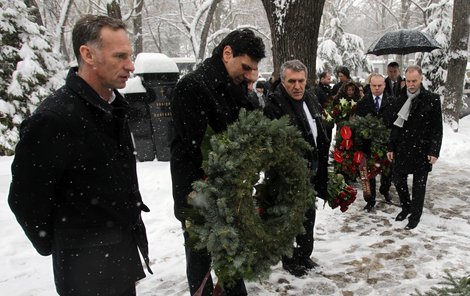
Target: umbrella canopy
403,42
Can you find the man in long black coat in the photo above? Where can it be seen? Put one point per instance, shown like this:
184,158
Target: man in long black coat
304,111
415,143
393,81
74,188
376,103
211,96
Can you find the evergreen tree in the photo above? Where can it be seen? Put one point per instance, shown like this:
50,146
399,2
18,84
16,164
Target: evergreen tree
30,70
338,48
435,63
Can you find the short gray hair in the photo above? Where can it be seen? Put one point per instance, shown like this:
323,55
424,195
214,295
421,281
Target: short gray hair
294,65
414,68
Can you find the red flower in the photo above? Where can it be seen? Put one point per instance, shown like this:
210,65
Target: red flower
337,156
346,132
358,155
347,144
260,211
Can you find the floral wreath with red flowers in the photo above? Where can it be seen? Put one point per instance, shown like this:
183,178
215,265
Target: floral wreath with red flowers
340,194
355,136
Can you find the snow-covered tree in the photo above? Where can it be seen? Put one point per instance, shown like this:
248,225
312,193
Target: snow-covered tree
337,47
439,26
29,72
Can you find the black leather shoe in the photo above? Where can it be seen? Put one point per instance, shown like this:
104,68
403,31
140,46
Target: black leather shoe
295,269
369,206
402,216
387,196
411,224
309,264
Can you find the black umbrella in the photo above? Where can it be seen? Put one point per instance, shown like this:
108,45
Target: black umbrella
403,42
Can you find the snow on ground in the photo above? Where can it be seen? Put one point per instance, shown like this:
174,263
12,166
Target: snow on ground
359,253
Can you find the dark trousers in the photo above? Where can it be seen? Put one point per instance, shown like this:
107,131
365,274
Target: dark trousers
198,263
304,241
415,204
130,292
385,184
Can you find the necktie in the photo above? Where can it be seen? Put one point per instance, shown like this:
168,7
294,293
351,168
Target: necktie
377,104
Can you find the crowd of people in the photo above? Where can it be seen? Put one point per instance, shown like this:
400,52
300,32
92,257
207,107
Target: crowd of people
74,184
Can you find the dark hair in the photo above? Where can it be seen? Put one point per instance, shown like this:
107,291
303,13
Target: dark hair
260,84
242,42
344,70
393,65
88,30
342,91
323,75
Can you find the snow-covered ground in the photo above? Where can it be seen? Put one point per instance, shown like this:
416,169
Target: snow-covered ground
359,253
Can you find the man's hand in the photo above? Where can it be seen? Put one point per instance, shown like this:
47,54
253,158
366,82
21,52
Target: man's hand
390,156
432,159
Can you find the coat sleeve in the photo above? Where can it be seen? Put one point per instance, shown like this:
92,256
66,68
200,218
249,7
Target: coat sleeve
435,127
40,158
190,121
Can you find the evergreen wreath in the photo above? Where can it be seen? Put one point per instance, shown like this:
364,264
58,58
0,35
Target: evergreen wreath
347,152
254,197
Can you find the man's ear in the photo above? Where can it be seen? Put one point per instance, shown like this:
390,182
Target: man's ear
86,54
227,53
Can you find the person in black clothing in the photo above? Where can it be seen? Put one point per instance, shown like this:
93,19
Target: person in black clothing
304,110
378,104
211,96
74,188
343,75
323,89
393,81
415,143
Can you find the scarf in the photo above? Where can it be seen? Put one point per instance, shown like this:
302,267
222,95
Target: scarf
405,109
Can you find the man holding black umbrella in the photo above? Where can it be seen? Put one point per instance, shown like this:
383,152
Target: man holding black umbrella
415,143
393,81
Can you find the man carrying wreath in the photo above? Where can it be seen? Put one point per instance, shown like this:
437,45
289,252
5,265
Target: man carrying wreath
211,96
304,111
378,104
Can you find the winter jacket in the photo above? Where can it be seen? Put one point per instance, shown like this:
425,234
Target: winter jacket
280,104
323,92
421,134
366,106
203,98
75,193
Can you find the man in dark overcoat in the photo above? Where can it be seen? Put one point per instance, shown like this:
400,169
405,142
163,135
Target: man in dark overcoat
210,97
323,89
415,143
394,80
378,104
304,111
74,188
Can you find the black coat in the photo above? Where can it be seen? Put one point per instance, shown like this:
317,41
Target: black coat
366,106
421,134
279,104
75,193
323,92
390,89
205,97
